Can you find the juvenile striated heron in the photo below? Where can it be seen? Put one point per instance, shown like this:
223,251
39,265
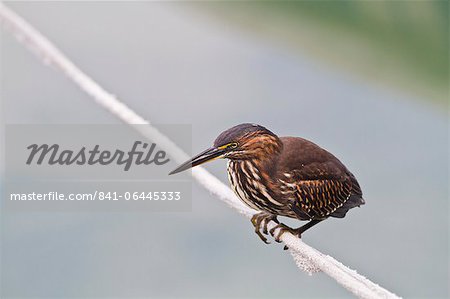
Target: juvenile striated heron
282,176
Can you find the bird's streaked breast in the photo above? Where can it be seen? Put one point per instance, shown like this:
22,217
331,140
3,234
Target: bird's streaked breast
247,182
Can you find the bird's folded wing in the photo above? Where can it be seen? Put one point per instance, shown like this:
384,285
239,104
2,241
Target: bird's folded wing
319,189
319,198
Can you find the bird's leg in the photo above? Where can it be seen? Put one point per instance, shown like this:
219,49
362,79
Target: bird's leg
307,226
264,218
295,231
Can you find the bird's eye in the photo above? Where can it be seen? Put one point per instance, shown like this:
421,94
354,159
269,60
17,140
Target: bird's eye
233,145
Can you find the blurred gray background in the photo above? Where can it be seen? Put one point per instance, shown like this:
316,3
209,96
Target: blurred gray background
367,81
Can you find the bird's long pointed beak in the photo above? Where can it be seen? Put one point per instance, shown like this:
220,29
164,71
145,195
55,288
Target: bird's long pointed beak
205,156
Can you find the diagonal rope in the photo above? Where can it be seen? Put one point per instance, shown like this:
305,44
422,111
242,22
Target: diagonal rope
306,257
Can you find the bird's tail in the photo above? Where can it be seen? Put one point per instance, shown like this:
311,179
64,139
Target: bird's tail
352,202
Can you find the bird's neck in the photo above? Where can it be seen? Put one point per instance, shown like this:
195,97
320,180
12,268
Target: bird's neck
268,165
267,161
265,168
261,155
266,157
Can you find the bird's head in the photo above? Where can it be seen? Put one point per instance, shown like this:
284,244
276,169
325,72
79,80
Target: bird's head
244,141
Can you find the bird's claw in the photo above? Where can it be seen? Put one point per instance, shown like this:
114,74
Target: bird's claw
260,221
282,228
261,236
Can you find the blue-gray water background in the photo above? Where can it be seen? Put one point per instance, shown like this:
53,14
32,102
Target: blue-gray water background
176,63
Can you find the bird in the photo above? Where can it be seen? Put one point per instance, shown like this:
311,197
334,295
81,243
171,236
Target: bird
282,176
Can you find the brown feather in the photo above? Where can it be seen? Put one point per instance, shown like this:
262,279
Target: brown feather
320,183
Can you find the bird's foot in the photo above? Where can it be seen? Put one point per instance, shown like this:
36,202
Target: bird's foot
260,221
282,228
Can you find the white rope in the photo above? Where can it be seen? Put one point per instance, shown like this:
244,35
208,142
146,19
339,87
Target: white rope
306,257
